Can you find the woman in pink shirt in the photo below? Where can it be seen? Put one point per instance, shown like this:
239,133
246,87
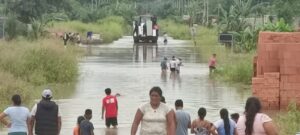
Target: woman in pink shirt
253,122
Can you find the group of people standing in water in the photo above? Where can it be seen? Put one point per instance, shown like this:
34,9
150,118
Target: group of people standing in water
174,65
154,118
157,118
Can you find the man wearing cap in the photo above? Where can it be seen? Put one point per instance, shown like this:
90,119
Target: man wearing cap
45,116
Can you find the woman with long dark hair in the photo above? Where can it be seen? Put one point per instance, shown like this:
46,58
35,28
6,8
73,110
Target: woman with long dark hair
253,122
224,126
200,126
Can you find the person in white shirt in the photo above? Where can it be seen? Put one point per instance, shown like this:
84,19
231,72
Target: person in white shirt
18,115
173,64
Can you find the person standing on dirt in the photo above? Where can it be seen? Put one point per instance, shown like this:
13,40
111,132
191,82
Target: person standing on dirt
110,107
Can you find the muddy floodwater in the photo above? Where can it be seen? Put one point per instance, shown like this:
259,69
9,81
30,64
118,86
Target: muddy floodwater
132,69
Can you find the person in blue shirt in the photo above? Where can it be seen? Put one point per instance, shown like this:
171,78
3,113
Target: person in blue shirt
224,126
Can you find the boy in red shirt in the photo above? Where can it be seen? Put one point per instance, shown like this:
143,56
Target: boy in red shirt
110,106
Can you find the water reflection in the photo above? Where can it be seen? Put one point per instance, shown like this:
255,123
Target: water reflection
145,52
176,79
111,131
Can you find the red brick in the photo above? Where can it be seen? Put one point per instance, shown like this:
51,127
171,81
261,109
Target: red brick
257,80
272,85
272,75
288,71
293,79
292,86
274,56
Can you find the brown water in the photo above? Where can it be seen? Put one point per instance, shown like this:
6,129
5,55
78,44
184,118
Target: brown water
132,70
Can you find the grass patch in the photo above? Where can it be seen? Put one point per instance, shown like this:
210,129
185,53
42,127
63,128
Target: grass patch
289,123
231,67
110,28
26,68
175,30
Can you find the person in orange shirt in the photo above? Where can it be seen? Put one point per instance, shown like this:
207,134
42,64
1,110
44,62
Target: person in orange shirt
76,130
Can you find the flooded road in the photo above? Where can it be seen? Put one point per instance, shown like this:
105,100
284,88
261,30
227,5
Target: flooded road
132,70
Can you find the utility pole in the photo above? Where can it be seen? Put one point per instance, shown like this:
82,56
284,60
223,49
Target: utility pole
207,5
92,3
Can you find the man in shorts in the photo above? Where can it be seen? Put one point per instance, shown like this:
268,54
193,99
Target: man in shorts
110,107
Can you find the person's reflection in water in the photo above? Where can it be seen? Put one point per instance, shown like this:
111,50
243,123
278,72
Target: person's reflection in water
178,80
173,76
111,132
163,76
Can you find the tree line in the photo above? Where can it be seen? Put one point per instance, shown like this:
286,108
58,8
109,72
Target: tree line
37,13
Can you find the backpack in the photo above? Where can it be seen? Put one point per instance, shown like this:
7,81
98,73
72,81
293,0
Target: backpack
201,131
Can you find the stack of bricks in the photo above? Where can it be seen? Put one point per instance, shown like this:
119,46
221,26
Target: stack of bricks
290,75
276,80
267,89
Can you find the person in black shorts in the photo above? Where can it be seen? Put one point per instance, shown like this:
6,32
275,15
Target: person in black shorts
110,107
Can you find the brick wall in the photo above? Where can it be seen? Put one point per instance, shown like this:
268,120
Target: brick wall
276,79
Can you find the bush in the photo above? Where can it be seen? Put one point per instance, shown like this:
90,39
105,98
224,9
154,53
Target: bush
176,30
40,62
26,68
9,85
110,28
289,123
240,70
14,28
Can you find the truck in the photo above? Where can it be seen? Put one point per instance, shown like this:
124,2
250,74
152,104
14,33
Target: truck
145,29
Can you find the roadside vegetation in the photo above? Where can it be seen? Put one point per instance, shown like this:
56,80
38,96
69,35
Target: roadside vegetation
289,122
31,60
110,28
26,68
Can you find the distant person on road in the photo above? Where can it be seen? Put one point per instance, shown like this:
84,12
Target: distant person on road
183,119
76,130
66,37
110,107
212,63
164,65
165,38
156,118
253,122
173,64
45,116
179,64
200,126
86,126
224,126
18,115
